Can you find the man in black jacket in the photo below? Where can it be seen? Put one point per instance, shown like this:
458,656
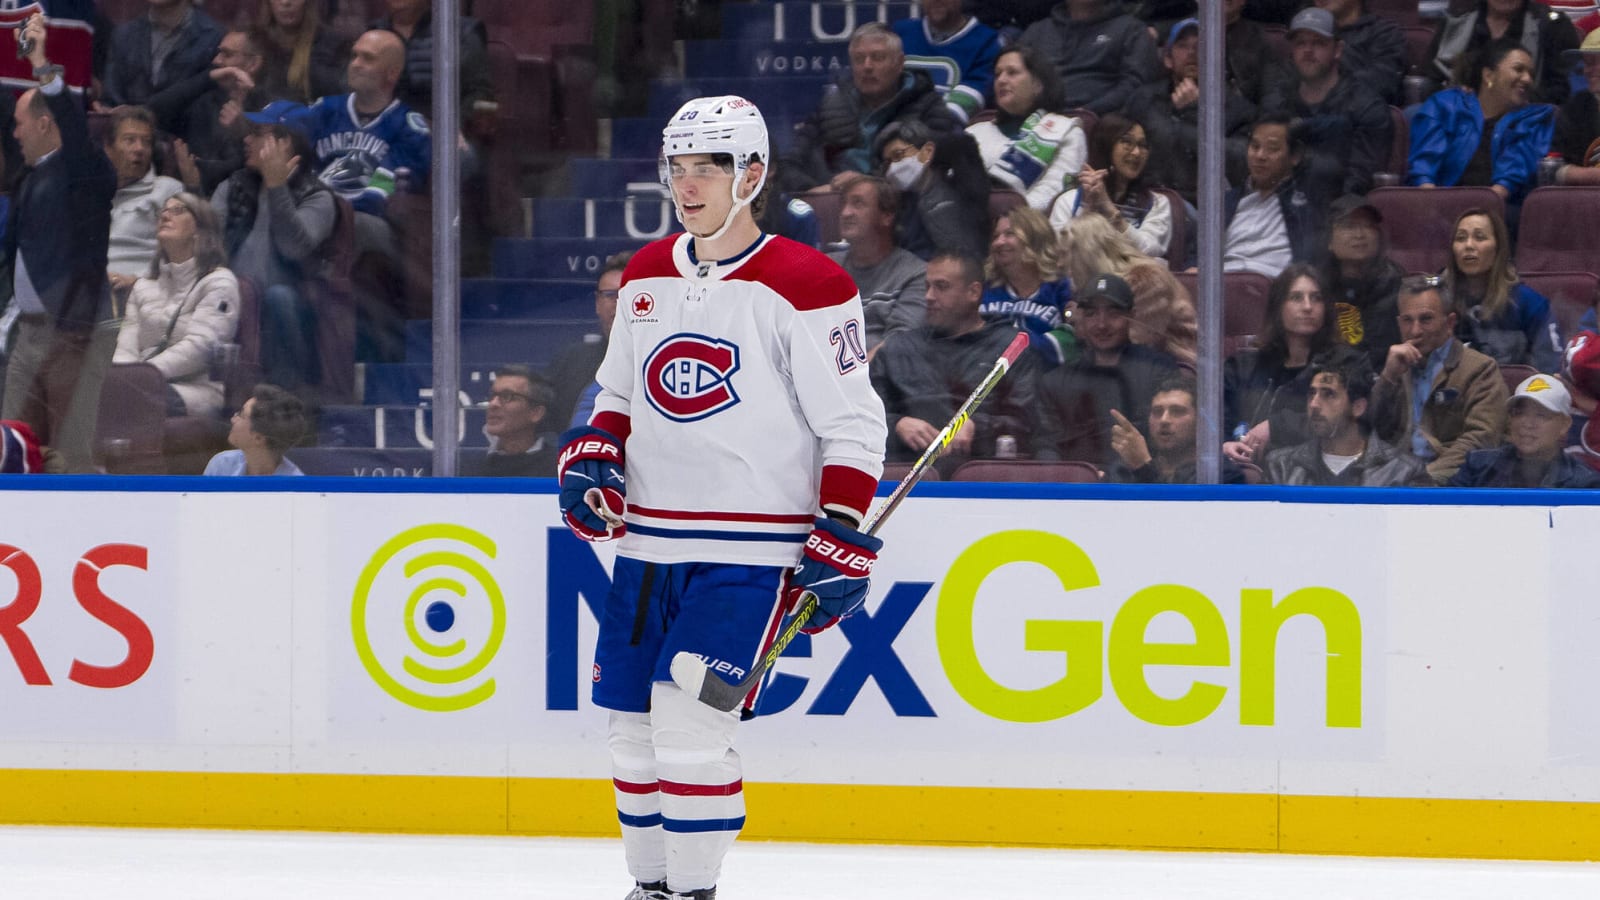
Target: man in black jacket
1169,111
1345,127
925,373
837,139
1343,451
1103,53
1375,52
55,267
156,53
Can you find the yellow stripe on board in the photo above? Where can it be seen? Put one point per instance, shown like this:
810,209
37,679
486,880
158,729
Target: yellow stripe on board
1512,829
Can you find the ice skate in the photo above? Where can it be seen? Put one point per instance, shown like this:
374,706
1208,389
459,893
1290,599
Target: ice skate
654,890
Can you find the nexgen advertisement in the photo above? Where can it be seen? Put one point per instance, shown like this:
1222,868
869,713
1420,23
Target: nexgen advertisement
1248,648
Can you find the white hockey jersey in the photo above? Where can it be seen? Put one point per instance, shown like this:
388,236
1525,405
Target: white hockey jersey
741,388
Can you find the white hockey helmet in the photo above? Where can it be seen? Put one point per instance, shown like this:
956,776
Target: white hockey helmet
729,124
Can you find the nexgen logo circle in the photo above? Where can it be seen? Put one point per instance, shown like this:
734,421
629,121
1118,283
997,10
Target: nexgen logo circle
456,632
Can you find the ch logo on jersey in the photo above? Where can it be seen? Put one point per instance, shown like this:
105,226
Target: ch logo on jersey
643,305
689,377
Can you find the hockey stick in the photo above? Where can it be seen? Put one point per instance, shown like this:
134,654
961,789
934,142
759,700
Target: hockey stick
690,672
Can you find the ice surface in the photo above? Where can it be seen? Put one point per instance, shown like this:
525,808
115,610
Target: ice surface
136,864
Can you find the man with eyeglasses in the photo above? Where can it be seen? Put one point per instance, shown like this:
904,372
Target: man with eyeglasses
574,383
519,445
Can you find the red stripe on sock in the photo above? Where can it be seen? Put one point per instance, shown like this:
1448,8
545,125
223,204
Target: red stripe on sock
679,789
634,787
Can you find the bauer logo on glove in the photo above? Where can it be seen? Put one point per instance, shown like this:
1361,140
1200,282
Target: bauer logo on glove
841,556
835,566
593,487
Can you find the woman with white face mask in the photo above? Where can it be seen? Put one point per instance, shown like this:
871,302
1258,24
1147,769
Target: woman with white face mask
944,195
1030,147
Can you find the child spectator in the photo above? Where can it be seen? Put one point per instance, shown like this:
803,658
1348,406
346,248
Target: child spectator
269,423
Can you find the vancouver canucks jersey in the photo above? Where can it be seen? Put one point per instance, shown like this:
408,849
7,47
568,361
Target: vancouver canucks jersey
359,161
961,65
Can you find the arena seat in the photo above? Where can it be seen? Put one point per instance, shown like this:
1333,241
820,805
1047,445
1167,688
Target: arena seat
1400,12
897,471
1244,304
1558,229
827,205
1178,241
1571,295
1399,146
132,414
1002,201
1417,221
1514,374
1028,470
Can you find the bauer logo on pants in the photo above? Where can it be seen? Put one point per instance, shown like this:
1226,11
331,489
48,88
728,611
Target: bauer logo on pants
689,377
428,617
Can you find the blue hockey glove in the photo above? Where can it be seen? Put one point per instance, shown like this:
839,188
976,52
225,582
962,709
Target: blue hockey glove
836,566
591,460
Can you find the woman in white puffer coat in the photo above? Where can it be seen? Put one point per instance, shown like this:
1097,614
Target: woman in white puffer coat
188,305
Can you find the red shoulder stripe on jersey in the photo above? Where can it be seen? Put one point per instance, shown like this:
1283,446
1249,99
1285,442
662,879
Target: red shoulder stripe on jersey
798,274
615,424
654,260
694,516
847,487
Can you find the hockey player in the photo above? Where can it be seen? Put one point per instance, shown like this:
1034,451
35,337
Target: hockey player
735,405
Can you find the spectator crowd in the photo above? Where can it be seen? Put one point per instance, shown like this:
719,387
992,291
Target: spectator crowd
982,169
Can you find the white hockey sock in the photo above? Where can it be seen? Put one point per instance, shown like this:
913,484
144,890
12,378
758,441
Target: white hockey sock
633,778
702,786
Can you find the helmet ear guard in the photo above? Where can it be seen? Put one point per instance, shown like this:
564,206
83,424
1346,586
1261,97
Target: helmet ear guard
718,125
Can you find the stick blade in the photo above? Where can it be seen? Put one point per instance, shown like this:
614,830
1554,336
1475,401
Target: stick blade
690,674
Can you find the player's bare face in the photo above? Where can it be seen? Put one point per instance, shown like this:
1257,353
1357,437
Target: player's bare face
704,191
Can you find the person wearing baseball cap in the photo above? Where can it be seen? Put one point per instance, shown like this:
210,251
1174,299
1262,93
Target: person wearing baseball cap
1345,126
1168,108
1577,136
1536,438
1361,280
1111,373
